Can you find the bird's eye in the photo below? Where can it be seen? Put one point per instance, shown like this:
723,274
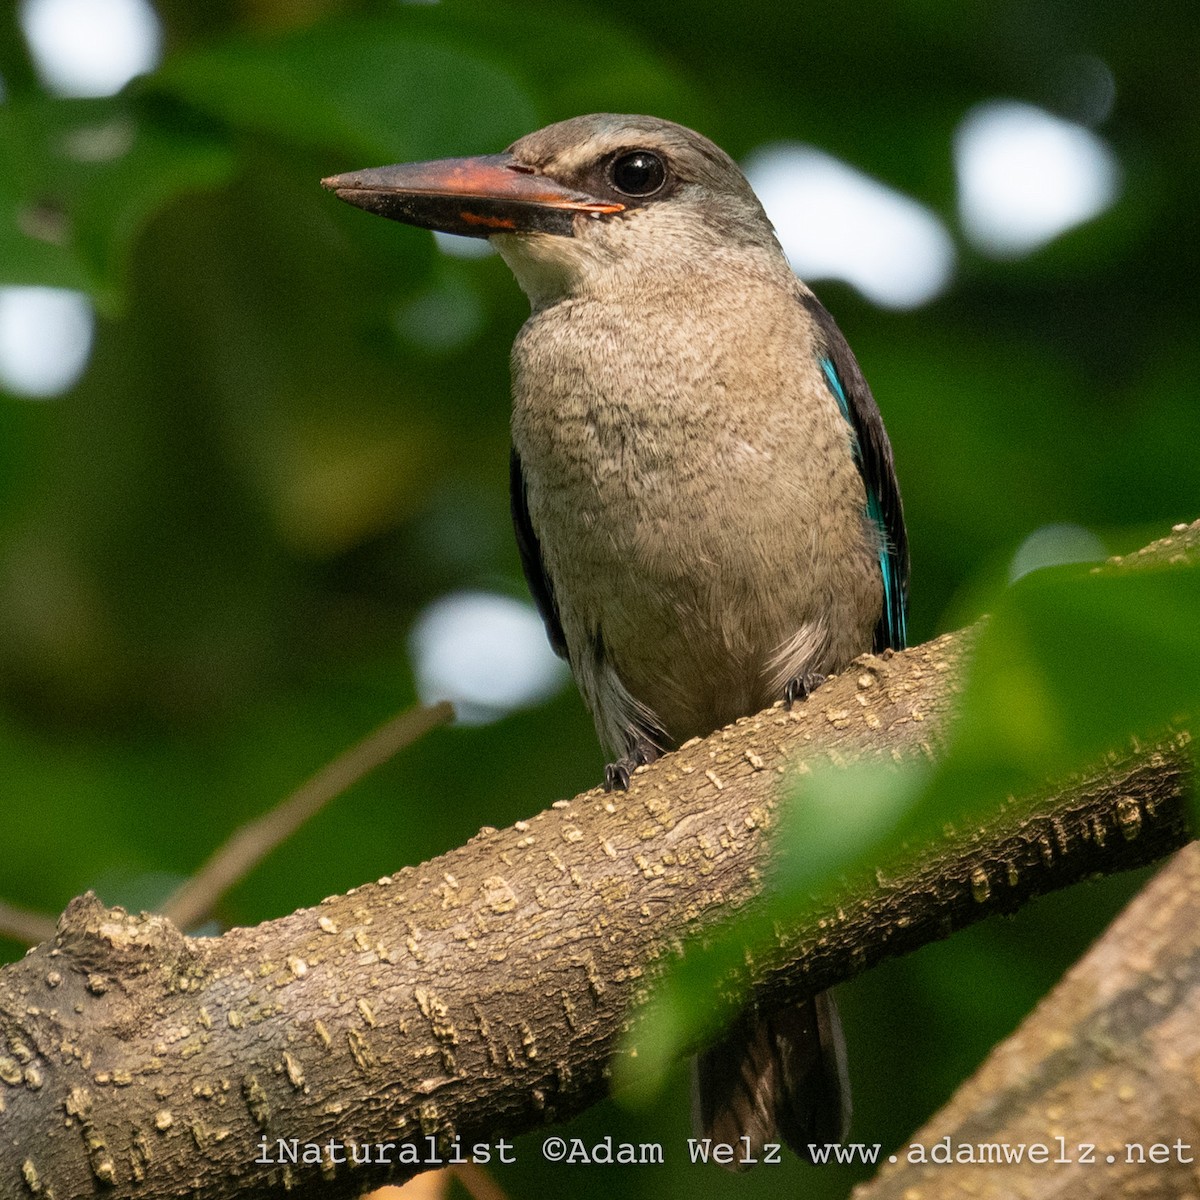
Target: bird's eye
638,173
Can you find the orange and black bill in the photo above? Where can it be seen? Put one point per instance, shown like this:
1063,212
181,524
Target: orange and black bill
476,197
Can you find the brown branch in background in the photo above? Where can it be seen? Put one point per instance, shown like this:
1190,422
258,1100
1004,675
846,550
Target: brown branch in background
23,925
192,902
1098,1089
250,844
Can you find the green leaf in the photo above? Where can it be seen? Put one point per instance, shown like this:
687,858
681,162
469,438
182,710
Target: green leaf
1075,662
375,89
35,234
840,820
85,177
570,58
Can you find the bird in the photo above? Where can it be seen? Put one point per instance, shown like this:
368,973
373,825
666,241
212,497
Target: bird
703,491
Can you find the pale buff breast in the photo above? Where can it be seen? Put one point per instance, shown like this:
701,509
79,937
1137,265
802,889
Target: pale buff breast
698,512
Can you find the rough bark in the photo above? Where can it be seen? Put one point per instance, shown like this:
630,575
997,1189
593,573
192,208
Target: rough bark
484,993
1099,1090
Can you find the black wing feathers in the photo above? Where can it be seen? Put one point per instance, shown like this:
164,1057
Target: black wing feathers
531,558
878,471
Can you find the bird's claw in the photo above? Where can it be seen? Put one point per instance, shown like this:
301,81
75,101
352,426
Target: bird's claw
617,774
802,687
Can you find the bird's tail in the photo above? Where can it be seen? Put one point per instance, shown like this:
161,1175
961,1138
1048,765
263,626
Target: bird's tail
776,1075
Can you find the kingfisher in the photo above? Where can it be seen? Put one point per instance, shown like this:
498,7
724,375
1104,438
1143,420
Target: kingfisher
703,491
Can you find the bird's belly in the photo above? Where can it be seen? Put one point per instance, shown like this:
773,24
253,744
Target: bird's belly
693,596
700,516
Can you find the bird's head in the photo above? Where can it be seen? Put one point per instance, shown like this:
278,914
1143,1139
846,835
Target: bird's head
584,206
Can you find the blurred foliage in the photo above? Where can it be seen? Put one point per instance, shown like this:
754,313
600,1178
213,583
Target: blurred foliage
212,549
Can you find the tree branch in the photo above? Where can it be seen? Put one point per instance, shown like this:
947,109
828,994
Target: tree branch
1096,1091
24,925
485,992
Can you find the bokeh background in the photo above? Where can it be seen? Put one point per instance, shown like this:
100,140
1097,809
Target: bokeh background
253,443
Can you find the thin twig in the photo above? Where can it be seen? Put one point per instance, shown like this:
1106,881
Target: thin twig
250,844
23,925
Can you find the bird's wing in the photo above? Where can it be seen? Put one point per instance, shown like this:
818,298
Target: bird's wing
873,456
531,558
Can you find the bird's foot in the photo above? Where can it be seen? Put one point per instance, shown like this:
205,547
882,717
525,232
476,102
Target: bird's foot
616,774
802,687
